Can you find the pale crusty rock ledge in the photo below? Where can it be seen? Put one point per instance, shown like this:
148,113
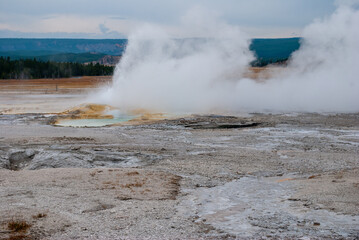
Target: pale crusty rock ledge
290,176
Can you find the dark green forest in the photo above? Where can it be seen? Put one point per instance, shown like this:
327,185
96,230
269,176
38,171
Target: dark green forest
262,62
31,69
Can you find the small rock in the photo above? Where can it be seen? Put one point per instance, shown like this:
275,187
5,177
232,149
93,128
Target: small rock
314,176
293,199
338,181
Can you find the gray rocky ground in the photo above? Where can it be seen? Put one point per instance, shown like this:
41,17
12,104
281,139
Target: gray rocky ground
200,177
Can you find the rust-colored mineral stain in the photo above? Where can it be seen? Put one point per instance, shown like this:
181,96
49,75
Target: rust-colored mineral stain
100,111
284,179
86,111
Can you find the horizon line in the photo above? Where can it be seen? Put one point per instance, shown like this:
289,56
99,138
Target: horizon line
35,38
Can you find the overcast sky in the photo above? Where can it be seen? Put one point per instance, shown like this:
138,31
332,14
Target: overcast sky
116,18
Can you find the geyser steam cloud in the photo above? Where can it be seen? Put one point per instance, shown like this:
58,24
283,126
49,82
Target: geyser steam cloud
160,73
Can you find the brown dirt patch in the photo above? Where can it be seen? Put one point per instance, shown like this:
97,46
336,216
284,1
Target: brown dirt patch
119,183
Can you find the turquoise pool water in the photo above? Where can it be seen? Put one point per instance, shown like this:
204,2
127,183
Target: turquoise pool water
118,117
90,122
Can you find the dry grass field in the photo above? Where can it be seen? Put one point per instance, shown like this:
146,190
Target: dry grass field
56,85
47,95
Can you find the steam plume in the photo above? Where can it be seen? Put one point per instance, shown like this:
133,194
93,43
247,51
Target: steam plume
160,73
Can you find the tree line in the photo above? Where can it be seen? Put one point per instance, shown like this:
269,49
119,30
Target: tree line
32,68
262,62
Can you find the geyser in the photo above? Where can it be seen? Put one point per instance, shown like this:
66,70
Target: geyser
160,73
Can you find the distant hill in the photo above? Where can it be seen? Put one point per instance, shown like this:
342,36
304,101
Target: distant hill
101,51
105,46
275,48
27,53
107,60
31,68
54,56
270,51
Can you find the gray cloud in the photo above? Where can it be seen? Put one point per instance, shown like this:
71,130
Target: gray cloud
118,18
247,13
103,28
18,34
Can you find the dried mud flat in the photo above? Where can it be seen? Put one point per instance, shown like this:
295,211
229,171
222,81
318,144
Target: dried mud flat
255,176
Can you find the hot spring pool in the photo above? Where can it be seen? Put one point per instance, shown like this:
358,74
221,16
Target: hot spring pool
118,117
90,122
